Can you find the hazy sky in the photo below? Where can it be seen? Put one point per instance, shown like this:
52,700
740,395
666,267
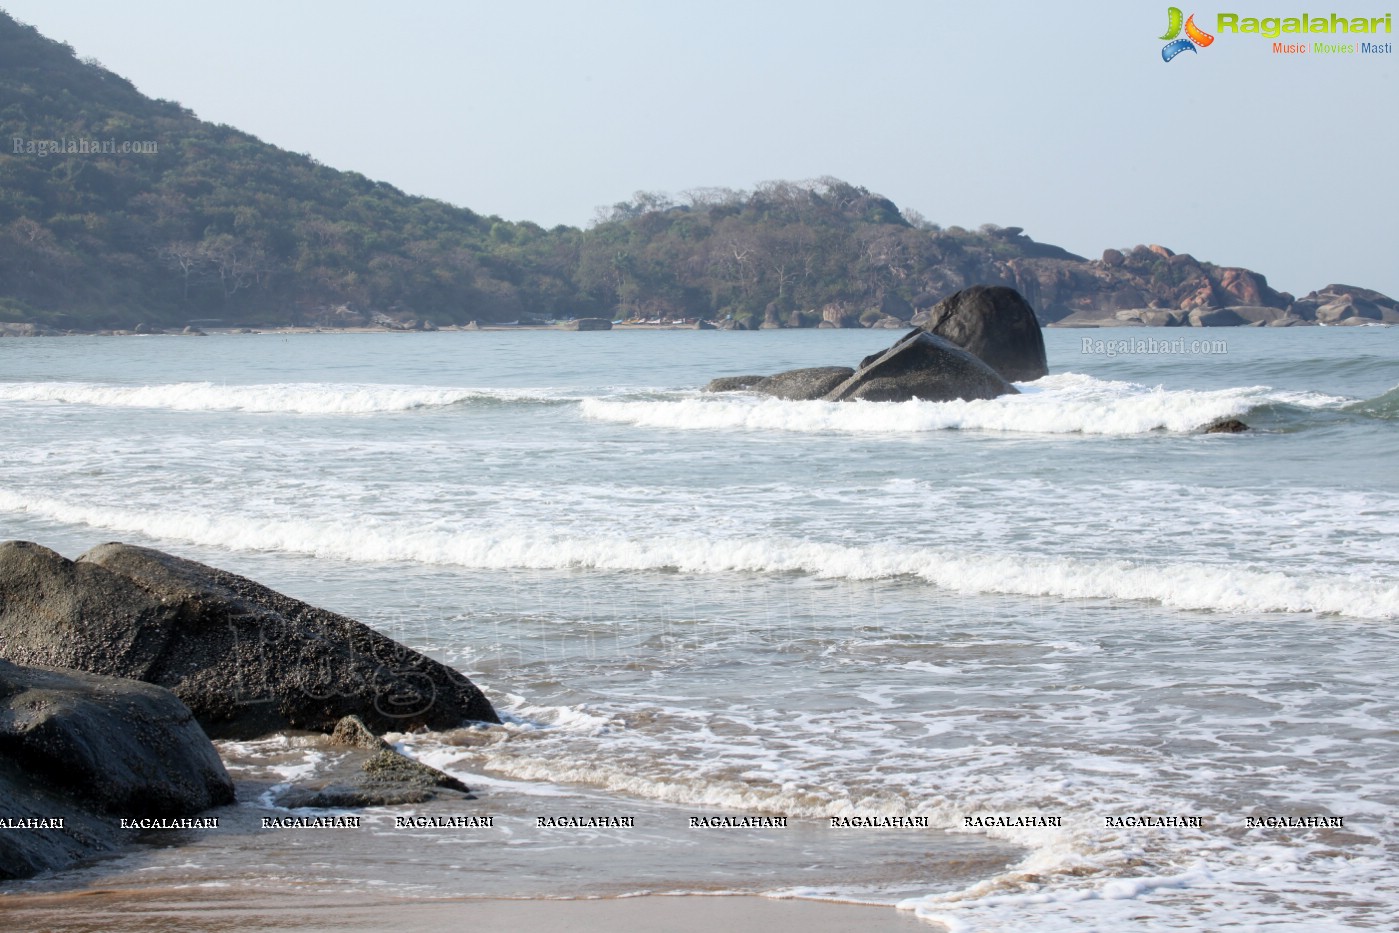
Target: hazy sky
1057,117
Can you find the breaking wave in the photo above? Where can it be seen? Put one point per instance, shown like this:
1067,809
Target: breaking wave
1070,403
274,398
1179,584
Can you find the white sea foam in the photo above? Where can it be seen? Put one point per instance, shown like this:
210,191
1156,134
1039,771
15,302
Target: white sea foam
1079,754
273,398
1069,403
1179,584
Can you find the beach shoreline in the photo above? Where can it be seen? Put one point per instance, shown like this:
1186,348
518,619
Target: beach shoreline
211,909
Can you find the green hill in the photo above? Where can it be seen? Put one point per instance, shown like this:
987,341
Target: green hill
217,224
116,210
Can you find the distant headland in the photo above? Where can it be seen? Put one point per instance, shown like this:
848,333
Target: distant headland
123,214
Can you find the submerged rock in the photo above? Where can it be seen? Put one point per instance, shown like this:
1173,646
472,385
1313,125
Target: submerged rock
89,750
1226,426
248,661
925,367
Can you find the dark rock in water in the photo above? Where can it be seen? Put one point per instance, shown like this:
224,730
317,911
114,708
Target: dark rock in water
392,767
192,331
1226,426
996,325
922,366
705,325
374,775
88,750
353,796
246,660
588,323
733,383
802,384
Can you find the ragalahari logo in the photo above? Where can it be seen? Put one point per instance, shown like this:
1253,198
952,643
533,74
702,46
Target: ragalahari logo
1193,35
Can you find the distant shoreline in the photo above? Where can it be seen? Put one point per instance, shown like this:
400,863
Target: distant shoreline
30,331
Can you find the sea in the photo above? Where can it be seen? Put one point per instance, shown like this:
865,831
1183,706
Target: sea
1098,669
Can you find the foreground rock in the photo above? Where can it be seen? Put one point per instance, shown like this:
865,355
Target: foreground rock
995,324
89,751
246,660
922,366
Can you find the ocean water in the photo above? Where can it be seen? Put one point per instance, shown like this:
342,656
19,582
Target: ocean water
1068,602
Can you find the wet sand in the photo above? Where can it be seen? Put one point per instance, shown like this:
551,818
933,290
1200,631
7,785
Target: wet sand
211,912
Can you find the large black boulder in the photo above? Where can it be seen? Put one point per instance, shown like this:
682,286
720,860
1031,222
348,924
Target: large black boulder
88,750
995,324
925,367
248,661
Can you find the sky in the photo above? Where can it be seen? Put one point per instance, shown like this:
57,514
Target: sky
1059,118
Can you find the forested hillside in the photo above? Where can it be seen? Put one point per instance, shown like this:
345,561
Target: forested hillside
117,210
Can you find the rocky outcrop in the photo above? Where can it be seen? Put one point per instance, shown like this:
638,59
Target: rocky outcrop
247,660
25,330
922,366
80,751
1234,316
966,346
1347,304
995,324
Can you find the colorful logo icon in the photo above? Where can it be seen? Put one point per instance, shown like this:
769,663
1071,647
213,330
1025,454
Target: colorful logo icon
1193,35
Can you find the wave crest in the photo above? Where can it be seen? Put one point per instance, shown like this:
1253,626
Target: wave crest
1181,584
1069,403
269,398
